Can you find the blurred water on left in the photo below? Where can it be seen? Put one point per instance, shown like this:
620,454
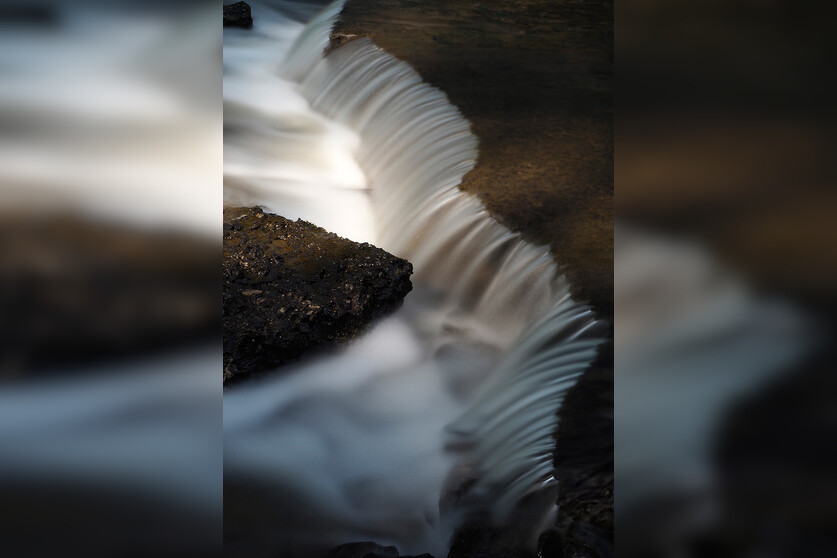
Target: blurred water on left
110,196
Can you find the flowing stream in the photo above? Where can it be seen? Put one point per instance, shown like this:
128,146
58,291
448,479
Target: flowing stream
461,386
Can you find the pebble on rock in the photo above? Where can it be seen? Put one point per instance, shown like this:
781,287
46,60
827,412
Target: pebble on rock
238,15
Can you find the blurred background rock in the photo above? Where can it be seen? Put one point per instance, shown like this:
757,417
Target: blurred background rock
725,277
110,195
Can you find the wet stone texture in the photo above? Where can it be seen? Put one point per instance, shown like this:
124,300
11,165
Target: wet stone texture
292,286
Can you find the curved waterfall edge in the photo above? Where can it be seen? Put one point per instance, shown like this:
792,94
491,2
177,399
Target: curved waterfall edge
416,147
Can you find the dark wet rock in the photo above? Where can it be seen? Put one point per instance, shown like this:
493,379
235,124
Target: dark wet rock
549,544
77,291
479,538
363,550
238,15
337,39
369,550
292,286
584,454
516,536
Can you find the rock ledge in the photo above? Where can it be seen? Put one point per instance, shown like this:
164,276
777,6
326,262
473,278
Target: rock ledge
292,286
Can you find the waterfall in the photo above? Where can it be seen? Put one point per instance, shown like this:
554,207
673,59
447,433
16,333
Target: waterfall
469,374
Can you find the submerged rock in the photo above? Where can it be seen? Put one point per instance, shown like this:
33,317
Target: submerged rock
238,15
292,286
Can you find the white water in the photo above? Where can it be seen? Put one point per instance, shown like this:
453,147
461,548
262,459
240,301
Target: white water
463,382
278,152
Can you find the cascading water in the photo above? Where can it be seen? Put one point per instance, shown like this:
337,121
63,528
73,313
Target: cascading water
278,152
462,384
